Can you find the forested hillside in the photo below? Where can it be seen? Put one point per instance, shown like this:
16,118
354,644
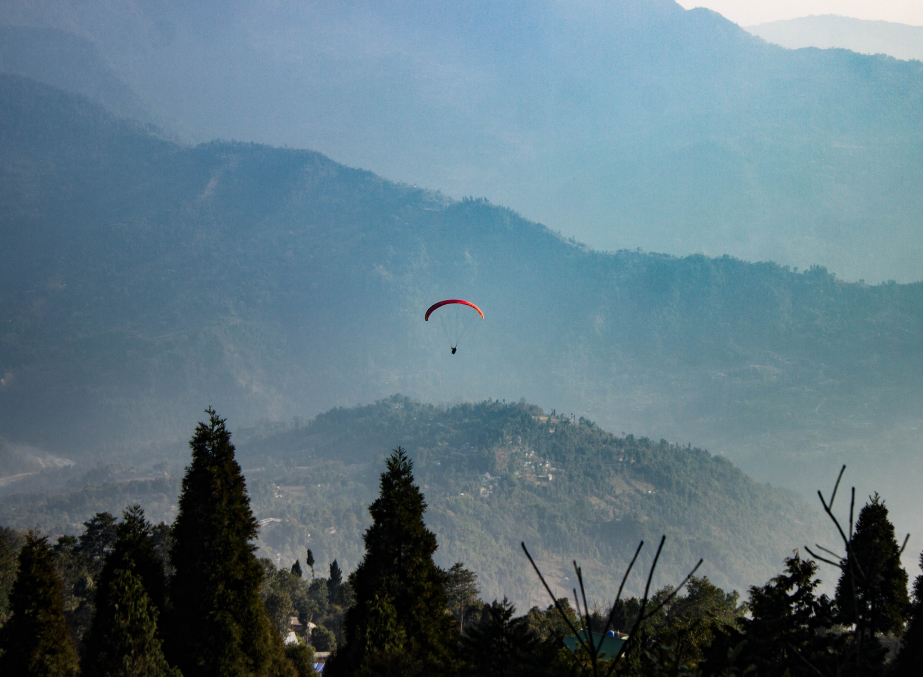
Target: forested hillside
145,280
493,474
631,123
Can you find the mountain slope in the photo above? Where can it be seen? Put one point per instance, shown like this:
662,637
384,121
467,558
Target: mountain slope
493,475
145,280
627,124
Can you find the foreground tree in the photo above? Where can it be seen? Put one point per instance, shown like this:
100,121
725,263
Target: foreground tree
131,647
10,544
871,594
500,645
909,660
35,641
134,550
399,623
98,539
334,581
688,624
461,589
872,591
302,657
788,631
218,624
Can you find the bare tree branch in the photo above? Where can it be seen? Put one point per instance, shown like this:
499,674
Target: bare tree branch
618,595
826,561
554,599
837,485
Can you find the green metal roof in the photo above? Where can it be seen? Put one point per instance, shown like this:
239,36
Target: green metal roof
608,647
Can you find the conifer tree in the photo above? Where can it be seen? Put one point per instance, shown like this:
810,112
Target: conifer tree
462,591
218,624
909,662
296,569
788,631
131,647
98,539
10,543
134,550
872,591
503,646
309,560
35,641
398,588
334,581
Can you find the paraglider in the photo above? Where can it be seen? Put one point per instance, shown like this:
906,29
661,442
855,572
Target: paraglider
455,319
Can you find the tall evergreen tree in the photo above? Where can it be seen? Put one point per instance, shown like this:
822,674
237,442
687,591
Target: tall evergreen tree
399,590
131,647
461,589
35,641
296,569
334,581
503,646
98,539
135,551
909,662
218,624
788,631
872,591
309,560
10,543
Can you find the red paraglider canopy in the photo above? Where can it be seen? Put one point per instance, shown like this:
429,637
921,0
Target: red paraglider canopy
447,302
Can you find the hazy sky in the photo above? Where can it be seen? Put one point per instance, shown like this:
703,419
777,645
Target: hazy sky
749,12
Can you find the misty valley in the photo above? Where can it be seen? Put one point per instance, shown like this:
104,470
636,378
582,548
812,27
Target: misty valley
458,339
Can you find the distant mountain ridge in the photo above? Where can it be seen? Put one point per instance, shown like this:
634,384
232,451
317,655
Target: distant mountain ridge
626,124
146,280
69,62
831,31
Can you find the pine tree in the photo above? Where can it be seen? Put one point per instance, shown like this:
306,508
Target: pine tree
334,581
462,591
35,641
504,646
872,591
98,539
131,647
10,544
788,631
296,569
309,560
135,551
909,661
397,586
218,625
